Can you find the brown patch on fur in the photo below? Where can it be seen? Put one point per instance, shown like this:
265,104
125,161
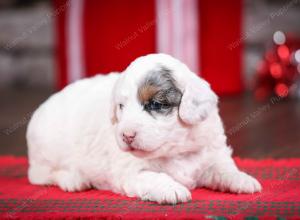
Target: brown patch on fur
113,118
158,92
147,92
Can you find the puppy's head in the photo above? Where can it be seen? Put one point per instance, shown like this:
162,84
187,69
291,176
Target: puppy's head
156,104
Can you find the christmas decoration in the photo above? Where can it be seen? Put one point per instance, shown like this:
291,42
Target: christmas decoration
279,71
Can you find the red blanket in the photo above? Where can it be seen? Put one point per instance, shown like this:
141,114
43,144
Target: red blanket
280,198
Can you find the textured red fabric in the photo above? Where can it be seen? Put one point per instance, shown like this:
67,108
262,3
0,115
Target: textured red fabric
280,197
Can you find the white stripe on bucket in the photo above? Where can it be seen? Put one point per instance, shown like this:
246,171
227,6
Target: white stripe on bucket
177,30
74,42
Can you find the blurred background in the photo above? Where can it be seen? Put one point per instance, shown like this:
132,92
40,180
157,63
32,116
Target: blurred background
249,50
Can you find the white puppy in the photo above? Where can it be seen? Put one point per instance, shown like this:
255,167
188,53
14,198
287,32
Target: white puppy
153,131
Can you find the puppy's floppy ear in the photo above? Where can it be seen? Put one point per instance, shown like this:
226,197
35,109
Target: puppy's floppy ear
198,100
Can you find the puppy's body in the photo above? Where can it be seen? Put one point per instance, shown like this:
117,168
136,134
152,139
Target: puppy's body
73,143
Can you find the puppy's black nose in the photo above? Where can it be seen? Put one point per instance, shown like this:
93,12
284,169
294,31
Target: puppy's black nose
128,137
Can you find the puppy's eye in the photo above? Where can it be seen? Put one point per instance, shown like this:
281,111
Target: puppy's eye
155,106
121,106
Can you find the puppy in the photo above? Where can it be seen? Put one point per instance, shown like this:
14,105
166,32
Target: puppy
152,132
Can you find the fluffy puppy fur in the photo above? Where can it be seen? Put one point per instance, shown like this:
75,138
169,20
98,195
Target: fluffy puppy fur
153,132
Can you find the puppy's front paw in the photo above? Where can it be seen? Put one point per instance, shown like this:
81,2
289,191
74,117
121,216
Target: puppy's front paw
240,182
69,181
167,192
